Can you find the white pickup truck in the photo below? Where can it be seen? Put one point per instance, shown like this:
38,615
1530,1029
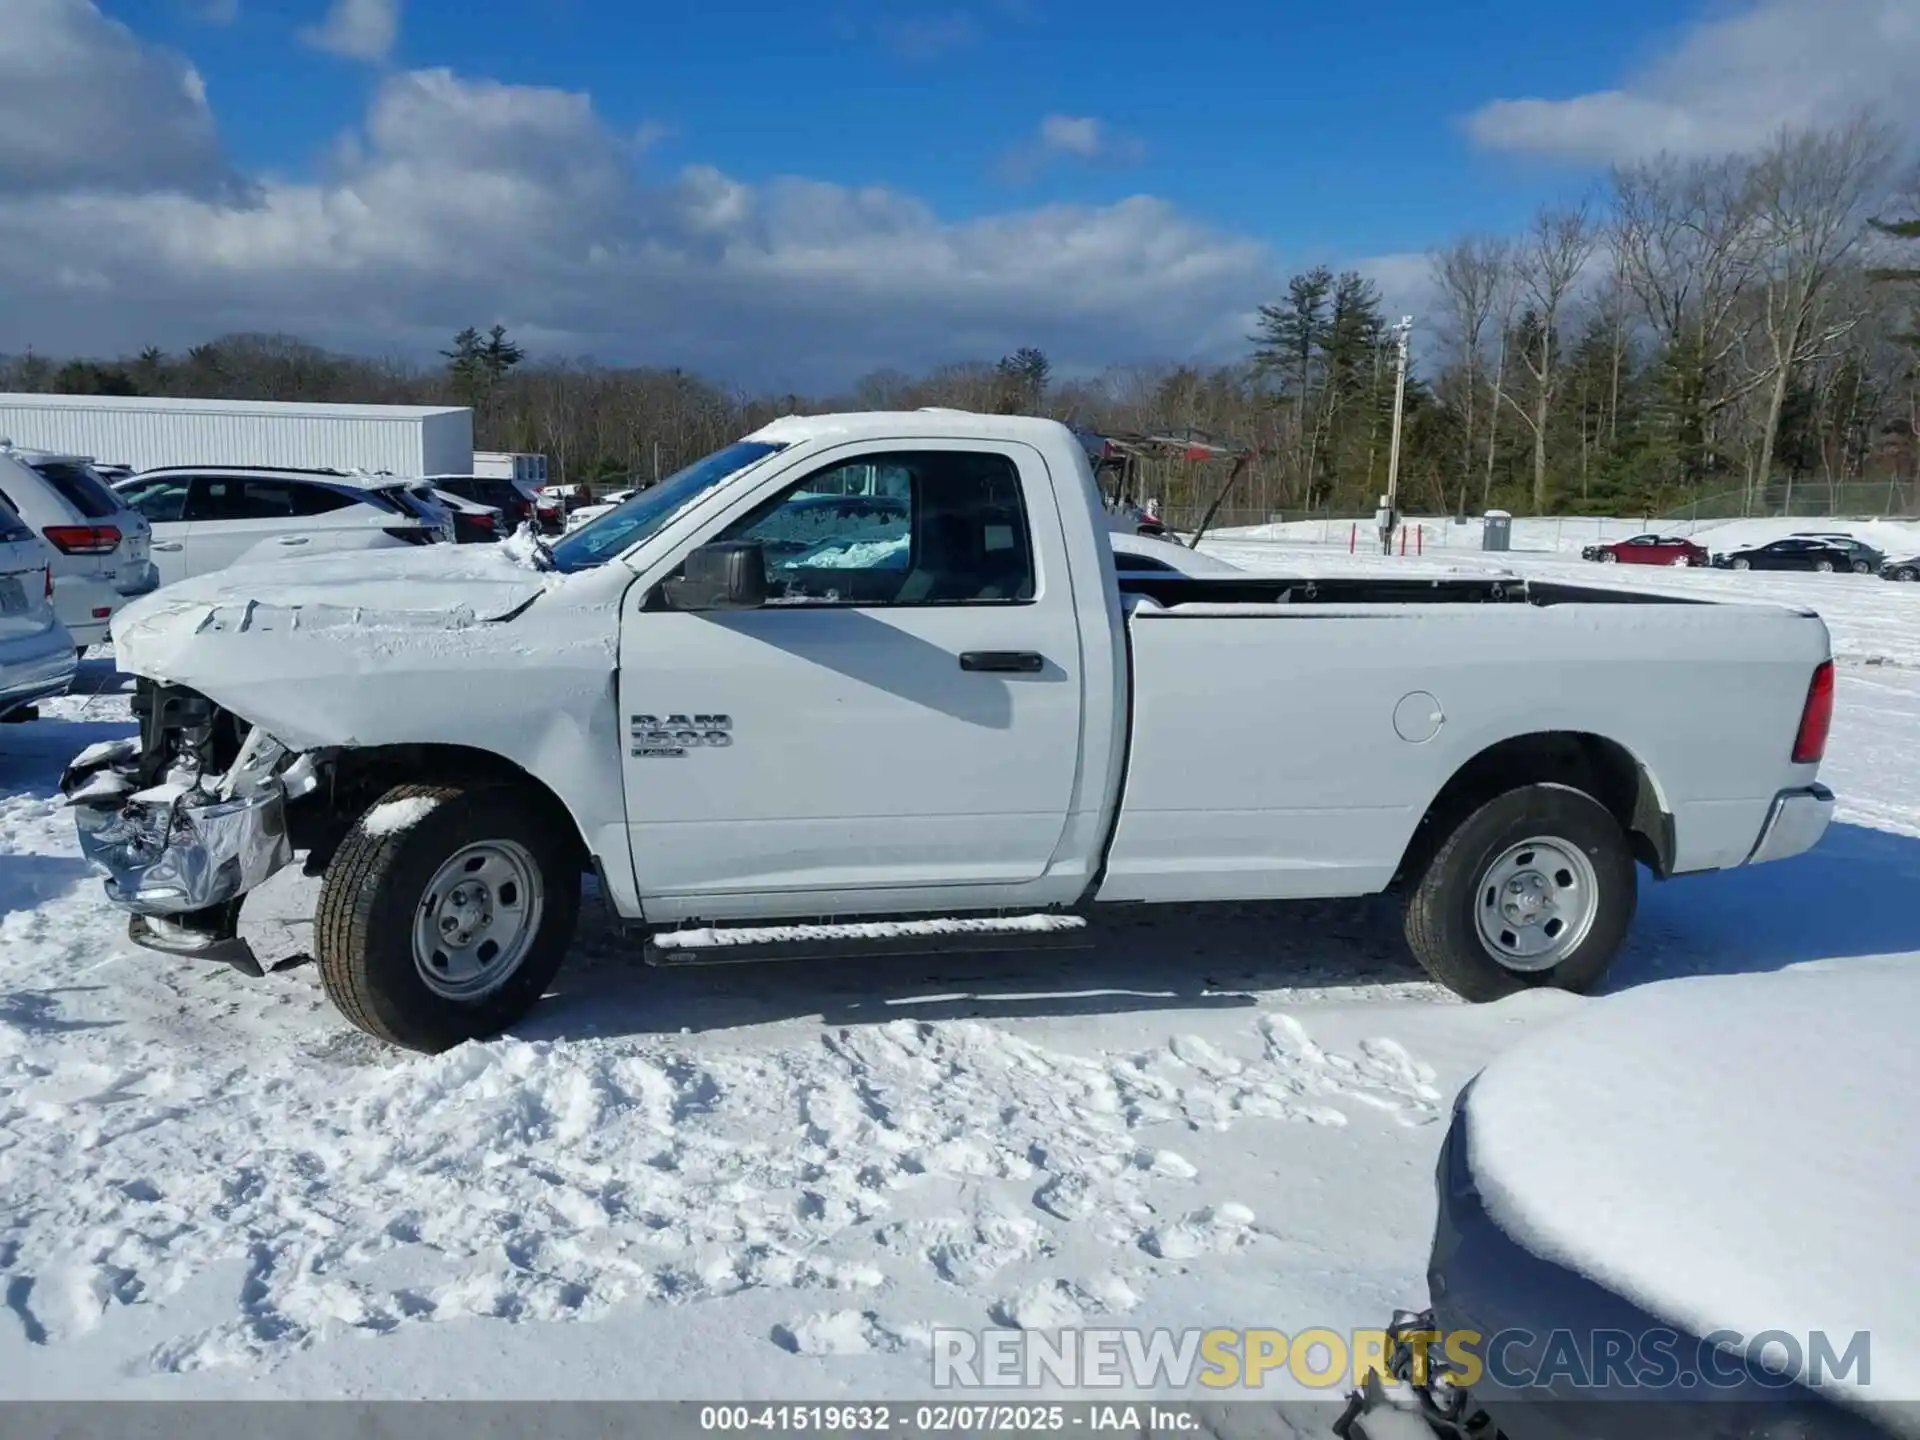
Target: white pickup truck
875,682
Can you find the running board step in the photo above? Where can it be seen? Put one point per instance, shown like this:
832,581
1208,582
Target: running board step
737,945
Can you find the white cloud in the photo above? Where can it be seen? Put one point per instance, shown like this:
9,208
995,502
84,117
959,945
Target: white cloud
1729,83
85,105
1080,138
464,199
357,29
460,201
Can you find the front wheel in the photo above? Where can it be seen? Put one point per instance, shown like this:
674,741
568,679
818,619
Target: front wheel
1535,888
1607,557
1825,567
1908,575
1861,567
446,912
1743,564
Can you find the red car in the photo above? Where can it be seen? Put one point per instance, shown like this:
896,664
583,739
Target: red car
1648,550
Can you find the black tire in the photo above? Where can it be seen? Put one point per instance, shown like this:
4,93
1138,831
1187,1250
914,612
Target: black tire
1440,917
364,925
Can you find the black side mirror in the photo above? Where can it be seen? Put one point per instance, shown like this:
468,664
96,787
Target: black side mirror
726,575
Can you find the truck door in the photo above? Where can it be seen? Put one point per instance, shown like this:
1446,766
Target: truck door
905,712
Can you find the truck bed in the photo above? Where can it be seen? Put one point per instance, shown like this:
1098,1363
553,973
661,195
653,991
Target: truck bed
1173,590
1287,734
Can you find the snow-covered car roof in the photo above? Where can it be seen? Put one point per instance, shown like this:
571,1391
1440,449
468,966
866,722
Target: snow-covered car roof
1165,553
1730,1153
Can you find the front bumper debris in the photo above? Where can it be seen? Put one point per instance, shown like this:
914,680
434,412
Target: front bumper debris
166,853
1794,825
180,855
1423,1391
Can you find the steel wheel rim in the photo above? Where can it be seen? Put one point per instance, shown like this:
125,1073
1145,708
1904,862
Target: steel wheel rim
1536,903
1825,567
1741,564
477,919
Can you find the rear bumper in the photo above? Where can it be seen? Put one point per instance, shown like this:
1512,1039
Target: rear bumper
1794,825
37,675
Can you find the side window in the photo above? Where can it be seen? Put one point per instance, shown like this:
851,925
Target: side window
317,499
239,497
161,501
913,528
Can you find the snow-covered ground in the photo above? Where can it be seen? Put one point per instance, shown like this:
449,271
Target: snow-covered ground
1569,534
770,1180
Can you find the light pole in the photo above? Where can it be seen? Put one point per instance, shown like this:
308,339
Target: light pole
1403,333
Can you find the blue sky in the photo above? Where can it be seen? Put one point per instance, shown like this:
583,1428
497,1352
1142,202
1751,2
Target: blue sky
1278,120
784,193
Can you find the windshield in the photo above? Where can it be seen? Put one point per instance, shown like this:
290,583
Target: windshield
646,513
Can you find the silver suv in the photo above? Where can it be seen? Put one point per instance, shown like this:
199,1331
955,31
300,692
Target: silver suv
99,544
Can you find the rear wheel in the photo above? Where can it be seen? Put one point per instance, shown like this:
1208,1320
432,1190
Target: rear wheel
1535,888
446,912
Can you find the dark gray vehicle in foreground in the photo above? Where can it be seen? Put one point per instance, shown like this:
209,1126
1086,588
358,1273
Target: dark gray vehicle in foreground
1673,1217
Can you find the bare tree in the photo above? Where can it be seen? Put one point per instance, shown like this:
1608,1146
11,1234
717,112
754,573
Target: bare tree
1812,194
1469,277
1551,260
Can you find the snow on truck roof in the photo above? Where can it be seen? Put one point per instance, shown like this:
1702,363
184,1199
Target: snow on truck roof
1727,1152
929,424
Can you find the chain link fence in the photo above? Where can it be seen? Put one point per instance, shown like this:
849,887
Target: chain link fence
1854,500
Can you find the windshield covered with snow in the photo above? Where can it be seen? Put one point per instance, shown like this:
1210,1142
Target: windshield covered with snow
644,514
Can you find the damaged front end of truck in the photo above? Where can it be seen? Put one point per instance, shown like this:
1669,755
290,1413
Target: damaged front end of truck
186,818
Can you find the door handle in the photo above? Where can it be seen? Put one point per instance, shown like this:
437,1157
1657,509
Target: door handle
1018,662
293,540
168,545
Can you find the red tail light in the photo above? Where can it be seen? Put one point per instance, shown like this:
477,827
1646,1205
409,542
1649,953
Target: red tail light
1816,718
83,539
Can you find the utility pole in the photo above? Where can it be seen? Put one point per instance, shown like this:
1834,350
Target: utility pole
1403,333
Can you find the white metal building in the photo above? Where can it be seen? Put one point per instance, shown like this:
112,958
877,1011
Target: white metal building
145,431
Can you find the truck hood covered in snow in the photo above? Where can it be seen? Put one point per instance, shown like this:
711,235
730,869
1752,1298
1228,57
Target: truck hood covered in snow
450,644
442,586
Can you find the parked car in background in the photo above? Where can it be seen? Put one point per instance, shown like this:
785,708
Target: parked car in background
1904,570
1128,519
207,517
1648,550
554,503
473,523
1137,554
1791,554
514,499
587,514
1866,559
98,543
37,653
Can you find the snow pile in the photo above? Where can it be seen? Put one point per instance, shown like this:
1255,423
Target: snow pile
1734,1153
393,816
